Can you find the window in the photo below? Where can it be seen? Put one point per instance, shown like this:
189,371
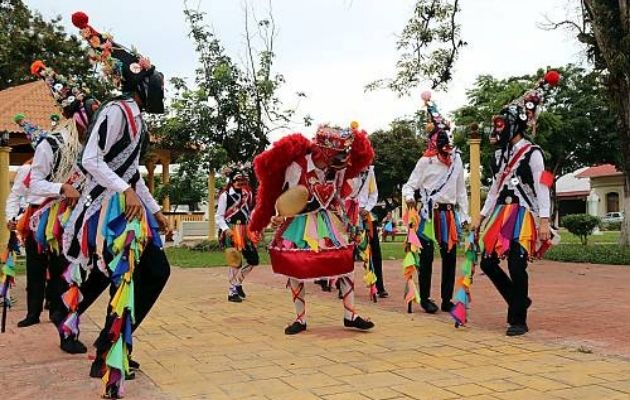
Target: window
612,202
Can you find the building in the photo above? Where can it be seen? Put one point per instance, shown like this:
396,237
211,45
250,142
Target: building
594,190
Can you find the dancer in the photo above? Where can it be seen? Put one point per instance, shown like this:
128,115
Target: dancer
19,207
389,227
359,205
439,176
518,205
232,218
56,175
311,241
114,225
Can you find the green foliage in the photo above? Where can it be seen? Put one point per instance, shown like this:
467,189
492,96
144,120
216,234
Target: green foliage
230,110
189,185
429,46
397,151
596,254
576,128
25,36
611,226
581,225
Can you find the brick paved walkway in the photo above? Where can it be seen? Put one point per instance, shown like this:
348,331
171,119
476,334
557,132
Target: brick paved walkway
196,345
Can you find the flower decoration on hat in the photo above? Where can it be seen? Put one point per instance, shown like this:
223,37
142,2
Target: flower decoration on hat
67,92
437,128
523,112
236,171
122,66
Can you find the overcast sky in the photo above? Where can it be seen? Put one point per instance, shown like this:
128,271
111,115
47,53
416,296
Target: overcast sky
330,49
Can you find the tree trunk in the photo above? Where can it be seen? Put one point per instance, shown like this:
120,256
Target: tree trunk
623,101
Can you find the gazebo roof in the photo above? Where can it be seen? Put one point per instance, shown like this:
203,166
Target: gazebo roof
32,99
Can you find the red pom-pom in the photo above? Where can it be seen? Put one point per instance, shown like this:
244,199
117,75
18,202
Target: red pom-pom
37,66
80,19
552,78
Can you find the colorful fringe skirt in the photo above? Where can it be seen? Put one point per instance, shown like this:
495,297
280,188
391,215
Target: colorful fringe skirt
314,245
443,229
509,222
48,222
241,237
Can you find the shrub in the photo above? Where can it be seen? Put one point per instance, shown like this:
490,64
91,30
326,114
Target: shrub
594,254
611,226
581,225
206,245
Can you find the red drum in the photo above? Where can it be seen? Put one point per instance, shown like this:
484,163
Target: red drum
308,264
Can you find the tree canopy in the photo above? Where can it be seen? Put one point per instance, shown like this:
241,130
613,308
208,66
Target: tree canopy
25,36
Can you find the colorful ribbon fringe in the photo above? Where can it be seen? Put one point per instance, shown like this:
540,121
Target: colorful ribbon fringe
462,297
510,222
366,232
412,257
443,229
124,241
313,231
8,272
48,224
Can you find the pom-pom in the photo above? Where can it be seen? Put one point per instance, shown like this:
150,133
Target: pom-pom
80,19
426,95
552,78
354,125
37,66
18,118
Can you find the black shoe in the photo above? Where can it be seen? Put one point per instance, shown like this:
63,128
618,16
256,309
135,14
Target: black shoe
133,364
28,321
240,292
429,306
72,346
517,330
447,306
339,294
358,323
97,370
56,317
383,294
295,328
235,298
47,305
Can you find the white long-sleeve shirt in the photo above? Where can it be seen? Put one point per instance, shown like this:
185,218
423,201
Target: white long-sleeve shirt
426,175
537,166
365,190
219,217
43,164
19,197
93,157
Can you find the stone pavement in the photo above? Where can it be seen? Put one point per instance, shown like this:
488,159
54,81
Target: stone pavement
196,345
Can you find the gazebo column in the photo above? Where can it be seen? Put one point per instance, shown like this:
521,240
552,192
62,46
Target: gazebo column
475,173
212,229
150,164
166,179
4,194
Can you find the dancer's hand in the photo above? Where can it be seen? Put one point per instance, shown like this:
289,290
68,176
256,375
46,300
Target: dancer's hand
229,233
133,206
364,213
70,193
162,222
544,233
276,221
12,225
411,204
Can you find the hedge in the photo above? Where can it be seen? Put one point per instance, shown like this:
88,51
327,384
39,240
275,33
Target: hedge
595,254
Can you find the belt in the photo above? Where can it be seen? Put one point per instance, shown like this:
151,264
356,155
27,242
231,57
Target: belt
444,207
508,200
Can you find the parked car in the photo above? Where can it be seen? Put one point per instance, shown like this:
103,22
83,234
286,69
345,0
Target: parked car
612,217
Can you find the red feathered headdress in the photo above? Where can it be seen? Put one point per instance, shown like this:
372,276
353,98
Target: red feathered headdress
270,167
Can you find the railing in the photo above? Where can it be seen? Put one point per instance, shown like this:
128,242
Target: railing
174,218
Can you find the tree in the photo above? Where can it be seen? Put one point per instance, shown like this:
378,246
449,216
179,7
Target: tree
187,187
26,36
576,128
429,46
231,109
603,26
397,151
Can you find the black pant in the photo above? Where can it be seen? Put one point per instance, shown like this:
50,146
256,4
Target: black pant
36,287
56,285
377,259
426,270
513,288
150,277
36,265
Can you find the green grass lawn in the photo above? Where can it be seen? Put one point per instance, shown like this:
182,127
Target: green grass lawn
601,249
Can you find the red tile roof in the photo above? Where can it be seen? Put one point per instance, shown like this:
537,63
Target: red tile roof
575,193
31,99
599,171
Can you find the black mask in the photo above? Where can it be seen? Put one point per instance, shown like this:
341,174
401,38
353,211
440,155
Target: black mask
151,91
